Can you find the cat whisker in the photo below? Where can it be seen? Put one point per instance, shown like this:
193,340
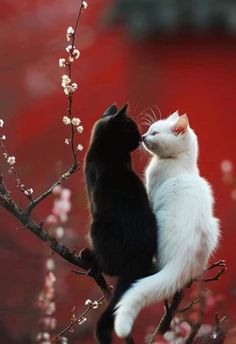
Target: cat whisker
145,123
159,111
139,116
154,115
149,117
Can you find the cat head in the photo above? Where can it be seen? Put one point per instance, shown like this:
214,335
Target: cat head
115,131
170,137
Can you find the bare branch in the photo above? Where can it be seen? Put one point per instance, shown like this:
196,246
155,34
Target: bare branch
170,310
76,320
216,277
38,230
189,306
201,315
74,168
221,262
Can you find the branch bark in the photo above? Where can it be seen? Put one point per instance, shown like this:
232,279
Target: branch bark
37,229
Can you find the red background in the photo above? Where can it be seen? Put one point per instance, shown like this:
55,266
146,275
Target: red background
195,74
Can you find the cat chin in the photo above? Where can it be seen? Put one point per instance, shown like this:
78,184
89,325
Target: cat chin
152,148
149,146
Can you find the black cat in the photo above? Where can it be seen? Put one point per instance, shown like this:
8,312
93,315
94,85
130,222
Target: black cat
123,229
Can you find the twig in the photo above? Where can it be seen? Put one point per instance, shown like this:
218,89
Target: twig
70,96
216,277
221,262
74,168
170,310
189,306
219,334
75,320
198,324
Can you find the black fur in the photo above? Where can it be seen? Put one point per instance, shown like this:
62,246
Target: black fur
123,229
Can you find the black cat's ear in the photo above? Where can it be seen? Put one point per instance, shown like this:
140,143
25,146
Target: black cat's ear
111,111
122,112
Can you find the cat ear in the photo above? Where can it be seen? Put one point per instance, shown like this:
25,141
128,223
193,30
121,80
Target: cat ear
112,110
122,112
174,115
181,125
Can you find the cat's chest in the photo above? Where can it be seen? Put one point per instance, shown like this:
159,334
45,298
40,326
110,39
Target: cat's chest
154,178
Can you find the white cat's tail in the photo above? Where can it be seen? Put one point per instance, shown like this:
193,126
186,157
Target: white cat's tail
159,286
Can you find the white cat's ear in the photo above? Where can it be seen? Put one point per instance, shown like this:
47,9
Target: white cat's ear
181,125
174,116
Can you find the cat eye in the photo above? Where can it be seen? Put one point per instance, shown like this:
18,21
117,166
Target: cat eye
155,133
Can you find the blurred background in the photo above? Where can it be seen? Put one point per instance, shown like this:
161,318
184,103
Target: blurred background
157,55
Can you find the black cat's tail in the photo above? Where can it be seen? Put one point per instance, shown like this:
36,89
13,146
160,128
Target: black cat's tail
128,276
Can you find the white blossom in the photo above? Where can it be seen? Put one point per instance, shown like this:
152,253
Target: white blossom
51,219
50,279
67,141
76,53
88,302
65,80
74,86
66,120
11,160
28,192
57,190
3,137
69,33
50,264
80,147
51,308
71,59
67,90
59,232
62,62
82,320
65,194
80,129
75,121
85,4
1,123
70,88
69,48
95,305
43,335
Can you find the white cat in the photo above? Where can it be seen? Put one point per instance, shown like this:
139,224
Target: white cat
183,204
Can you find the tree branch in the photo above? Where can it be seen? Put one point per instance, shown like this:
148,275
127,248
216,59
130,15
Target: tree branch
74,168
37,229
172,308
76,320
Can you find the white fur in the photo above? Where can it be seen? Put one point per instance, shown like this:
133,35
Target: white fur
183,204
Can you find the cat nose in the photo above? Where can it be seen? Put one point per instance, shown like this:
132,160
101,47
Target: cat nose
143,137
